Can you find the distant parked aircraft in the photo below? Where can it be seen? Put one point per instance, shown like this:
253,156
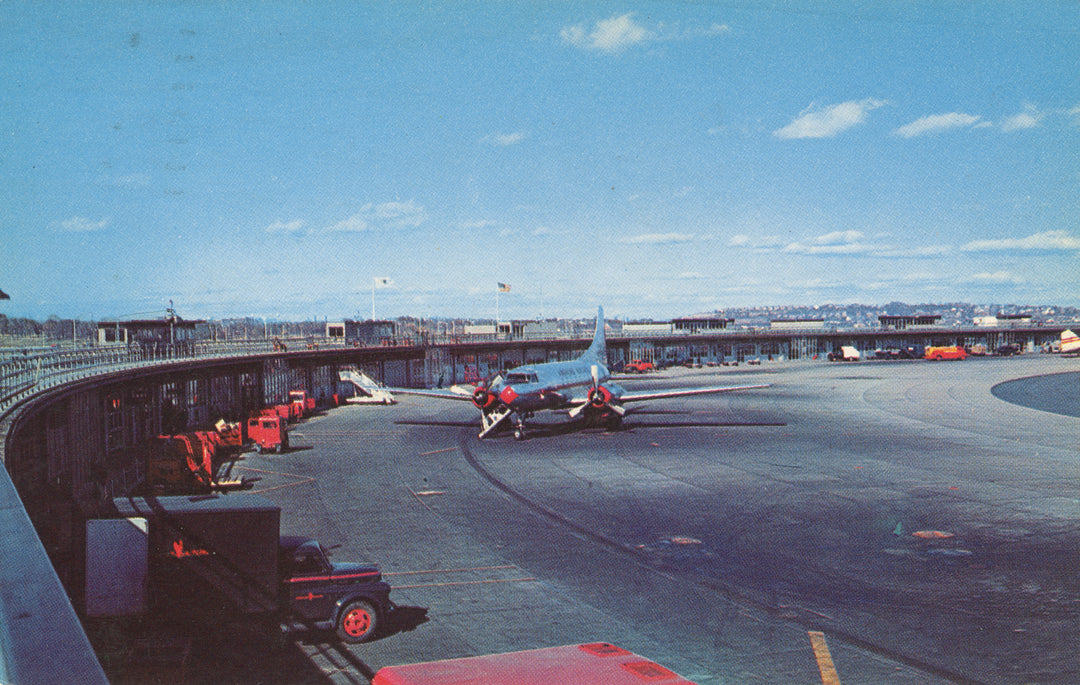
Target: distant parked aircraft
1070,343
581,386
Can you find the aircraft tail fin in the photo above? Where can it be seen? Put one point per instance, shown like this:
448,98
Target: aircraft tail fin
597,351
1070,342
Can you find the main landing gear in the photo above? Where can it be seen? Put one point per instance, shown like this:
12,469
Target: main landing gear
519,429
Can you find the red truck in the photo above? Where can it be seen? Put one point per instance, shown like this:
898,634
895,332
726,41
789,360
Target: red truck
189,463
182,463
638,366
302,400
935,354
268,431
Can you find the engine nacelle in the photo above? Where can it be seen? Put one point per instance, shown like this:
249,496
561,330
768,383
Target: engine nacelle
482,397
599,397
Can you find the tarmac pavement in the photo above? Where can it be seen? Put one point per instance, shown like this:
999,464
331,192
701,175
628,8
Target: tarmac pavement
923,525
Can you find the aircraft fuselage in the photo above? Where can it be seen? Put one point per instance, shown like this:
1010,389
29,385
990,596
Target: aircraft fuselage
552,385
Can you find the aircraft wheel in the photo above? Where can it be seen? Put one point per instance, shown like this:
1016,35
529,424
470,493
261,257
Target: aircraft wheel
519,434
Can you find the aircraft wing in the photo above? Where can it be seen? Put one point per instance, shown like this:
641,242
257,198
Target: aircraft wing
455,392
683,392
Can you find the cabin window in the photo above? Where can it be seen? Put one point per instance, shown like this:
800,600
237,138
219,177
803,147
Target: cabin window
513,378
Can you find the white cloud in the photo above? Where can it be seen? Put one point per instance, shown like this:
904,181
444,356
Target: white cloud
80,224
283,227
618,33
838,238
504,139
828,122
717,29
1048,241
755,242
842,243
354,224
659,239
1031,117
608,35
835,243
936,123
995,278
542,230
829,248
913,251
482,223
387,215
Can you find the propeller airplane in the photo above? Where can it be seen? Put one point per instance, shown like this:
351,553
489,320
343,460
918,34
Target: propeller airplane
582,387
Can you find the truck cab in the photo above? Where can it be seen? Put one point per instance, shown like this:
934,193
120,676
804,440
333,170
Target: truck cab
349,598
638,366
268,432
305,403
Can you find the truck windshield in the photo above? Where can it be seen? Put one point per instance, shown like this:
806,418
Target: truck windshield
309,560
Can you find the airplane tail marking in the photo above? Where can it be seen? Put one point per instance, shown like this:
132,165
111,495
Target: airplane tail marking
1070,342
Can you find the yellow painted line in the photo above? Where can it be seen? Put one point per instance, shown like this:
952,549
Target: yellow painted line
824,659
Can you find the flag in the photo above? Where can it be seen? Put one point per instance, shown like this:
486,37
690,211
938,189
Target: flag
4,296
504,288
383,283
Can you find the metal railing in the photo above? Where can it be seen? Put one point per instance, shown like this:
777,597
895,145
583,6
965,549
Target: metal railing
29,371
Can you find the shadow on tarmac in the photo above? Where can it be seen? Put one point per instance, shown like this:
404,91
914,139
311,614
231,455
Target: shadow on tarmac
166,651
547,430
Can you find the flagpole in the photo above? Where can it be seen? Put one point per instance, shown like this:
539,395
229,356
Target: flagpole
373,279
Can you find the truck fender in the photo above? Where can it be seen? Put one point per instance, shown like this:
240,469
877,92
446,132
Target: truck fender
378,596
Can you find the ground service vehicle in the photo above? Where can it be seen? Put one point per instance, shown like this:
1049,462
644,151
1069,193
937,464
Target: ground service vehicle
913,352
223,555
935,354
190,463
303,401
182,463
638,366
268,431
597,663
846,353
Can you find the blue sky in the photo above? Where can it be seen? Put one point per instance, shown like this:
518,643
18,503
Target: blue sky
659,158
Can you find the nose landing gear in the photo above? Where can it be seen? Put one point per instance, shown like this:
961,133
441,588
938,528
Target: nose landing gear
519,428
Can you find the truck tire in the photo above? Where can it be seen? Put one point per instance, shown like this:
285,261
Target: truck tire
357,621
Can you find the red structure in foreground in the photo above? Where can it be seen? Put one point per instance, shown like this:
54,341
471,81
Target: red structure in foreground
597,663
